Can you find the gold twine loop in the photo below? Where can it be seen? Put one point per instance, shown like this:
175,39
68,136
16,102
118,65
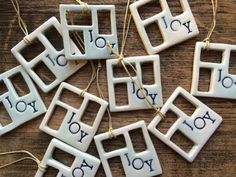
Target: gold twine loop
111,133
84,4
26,40
21,22
41,167
120,60
93,77
99,65
80,2
110,128
82,93
158,112
207,46
213,23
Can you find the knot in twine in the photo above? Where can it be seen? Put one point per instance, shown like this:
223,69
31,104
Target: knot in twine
158,112
111,133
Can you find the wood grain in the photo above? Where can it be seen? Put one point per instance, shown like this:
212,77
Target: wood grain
217,158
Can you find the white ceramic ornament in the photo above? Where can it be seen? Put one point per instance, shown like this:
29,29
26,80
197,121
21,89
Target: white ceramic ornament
95,43
174,29
20,108
72,130
198,127
140,164
222,83
136,99
54,60
84,165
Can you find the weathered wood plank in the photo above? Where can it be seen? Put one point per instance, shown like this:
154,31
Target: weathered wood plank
216,159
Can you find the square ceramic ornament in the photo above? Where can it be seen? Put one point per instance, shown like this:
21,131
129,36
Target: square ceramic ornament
84,165
197,127
222,82
72,129
94,42
145,163
136,97
52,58
20,107
173,29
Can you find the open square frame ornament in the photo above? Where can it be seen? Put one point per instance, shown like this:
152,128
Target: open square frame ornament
197,127
72,130
20,108
95,44
140,164
222,82
53,59
174,29
136,99
84,165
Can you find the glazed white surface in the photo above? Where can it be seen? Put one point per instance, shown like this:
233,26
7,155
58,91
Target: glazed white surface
20,108
95,44
84,165
222,83
174,29
54,60
197,127
72,130
142,164
136,99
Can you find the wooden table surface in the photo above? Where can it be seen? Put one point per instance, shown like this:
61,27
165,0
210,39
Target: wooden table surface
217,158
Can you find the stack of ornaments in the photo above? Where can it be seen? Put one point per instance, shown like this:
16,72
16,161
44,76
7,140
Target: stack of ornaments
74,136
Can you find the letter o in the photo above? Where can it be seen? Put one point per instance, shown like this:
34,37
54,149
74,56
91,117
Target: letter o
227,82
78,172
137,93
63,61
175,25
74,127
100,42
135,165
21,106
197,123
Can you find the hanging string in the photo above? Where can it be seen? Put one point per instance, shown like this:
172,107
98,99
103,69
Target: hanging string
126,27
120,57
41,167
138,83
80,41
81,2
86,8
76,35
213,23
93,77
21,22
110,128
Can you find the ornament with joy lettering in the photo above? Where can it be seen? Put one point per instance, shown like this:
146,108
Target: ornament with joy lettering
196,127
21,107
94,42
52,57
136,98
72,129
83,165
139,164
174,29
222,82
